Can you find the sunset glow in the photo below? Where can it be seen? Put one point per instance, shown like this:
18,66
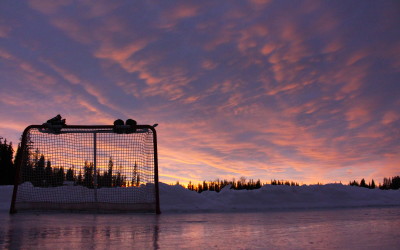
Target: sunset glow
307,91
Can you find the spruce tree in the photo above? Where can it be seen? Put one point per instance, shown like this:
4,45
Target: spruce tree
108,179
48,173
372,186
80,178
7,170
362,183
135,176
395,182
59,177
88,175
70,175
39,172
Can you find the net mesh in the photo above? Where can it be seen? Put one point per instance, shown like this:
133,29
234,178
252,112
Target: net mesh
87,168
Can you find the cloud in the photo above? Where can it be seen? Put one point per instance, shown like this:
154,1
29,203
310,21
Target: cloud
48,6
267,89
390,117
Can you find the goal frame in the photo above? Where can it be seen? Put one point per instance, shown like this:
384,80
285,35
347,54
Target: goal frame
95,128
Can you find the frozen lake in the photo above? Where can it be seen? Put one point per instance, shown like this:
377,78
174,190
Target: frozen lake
348,228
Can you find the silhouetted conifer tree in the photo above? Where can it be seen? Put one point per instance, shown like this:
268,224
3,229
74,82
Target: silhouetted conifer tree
70,175
80,178
387,182
88,175
59,176
135,176
39,172
354,183
205,186
108,179
7,169
190,186
48,175
119,180
395,182
362,183
372,185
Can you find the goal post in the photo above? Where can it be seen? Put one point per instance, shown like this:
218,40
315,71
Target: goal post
101,168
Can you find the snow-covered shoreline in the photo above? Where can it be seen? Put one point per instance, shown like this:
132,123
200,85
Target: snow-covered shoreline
274,197
269,197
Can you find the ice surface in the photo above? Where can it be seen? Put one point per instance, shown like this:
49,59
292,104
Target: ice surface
350,228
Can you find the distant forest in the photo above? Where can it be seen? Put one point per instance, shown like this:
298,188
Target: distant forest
40,173
242,183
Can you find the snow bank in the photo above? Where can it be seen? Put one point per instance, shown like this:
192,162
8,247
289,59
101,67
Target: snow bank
5,197
77,194
178,199
274,197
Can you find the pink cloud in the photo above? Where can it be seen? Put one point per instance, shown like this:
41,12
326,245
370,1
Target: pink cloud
268,48
250,37
209,64
357,116
48,6
357,56
120,54
333,46
171,16
390,117
91,89
73,29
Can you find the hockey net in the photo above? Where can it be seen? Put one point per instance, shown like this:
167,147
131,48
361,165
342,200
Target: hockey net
87,168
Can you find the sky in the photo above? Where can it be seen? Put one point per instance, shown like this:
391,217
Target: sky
306,91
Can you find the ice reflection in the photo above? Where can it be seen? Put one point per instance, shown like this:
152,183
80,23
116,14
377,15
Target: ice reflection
77,231
375,228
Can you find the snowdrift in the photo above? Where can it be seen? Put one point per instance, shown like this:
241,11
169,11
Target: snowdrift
178,199
274,197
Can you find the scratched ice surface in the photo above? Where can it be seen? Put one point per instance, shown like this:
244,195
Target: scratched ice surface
351,228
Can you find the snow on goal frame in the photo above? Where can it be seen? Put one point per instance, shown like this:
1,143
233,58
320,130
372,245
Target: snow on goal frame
88,168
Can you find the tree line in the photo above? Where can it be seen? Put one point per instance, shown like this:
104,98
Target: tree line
40,172
391,183
388,183
240,184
